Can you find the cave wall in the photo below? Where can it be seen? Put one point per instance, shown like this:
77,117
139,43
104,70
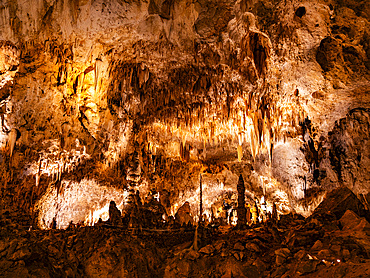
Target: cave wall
150,94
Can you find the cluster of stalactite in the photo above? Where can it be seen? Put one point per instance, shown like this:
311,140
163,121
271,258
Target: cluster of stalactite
205,98
9,56
9,64
55,165
202,102
127,81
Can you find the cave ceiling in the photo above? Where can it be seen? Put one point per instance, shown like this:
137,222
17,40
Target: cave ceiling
149,95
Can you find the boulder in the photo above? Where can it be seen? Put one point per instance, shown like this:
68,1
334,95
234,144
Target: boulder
317,246
356,228
329,54
253,247
219,245
300,255
335,248
306,266
337,202
351,221
208,249
239,246
281,255
346,254
21,254
324,254
279,272
3,245
192,255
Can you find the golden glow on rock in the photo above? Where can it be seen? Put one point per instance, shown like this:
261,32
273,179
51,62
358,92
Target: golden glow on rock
81,202
240,153
54,161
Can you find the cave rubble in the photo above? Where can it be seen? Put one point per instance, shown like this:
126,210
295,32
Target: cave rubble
304,247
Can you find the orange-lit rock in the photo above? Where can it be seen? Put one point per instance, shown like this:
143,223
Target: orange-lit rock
102,98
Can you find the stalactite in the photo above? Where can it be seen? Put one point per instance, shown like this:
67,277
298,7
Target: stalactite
79,82
181,150
37,179
267,138
60,172
297,120
68,69
260,122
12,139
97,73
240,153
60,75
254,143
143,75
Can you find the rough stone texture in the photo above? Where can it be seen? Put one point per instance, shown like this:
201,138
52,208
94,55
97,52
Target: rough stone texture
183,216
110,97
338,201
350,152
110,251
134,83
329,54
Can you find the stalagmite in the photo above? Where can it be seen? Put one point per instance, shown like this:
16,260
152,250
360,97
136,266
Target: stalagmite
200,199
241,202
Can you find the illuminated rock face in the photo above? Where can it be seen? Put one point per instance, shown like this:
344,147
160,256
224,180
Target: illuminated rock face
85,201
149,94
350,152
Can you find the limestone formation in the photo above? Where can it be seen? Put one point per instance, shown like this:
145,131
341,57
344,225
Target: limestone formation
183,216
241,202
102,99
114,214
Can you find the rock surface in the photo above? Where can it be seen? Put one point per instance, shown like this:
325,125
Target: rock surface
264,251
137,89
133,101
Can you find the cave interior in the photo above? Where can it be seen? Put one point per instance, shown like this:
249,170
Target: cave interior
185,138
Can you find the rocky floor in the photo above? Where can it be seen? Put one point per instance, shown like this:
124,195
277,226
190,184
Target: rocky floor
333,242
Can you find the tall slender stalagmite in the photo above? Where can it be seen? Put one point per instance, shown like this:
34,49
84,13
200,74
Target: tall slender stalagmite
241,202
200,200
